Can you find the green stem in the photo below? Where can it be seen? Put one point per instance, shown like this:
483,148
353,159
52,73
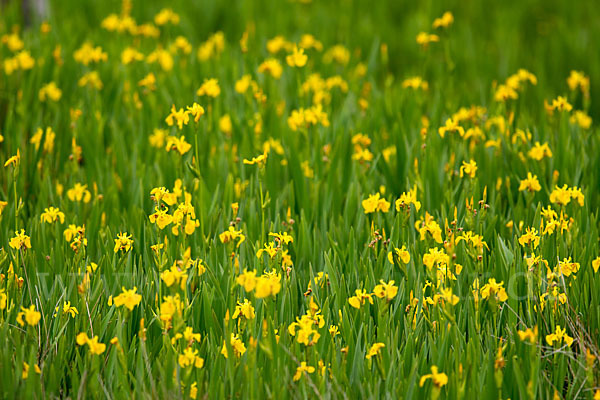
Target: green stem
262,210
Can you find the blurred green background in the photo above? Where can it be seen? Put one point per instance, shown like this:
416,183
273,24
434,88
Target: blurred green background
489,38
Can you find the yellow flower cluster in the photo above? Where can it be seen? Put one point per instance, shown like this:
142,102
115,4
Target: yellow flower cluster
94,346
268,284
128,298
304,118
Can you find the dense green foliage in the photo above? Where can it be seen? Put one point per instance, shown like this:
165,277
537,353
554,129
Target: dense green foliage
472,253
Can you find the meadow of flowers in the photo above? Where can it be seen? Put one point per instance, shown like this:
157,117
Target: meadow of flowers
326,199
